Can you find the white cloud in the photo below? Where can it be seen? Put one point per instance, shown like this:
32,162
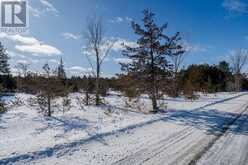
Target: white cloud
189,47
128,19
54,61
13,54
31,45
22,62
122,60
78,70
39,49
70,36
34,61
119,44
87,52
45,7
34,11
106,75
28,61
121,20
49,7
19,38
236,6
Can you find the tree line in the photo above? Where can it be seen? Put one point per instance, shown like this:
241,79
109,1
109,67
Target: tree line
155,69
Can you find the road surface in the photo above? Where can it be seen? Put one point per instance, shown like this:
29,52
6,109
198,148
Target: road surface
213,134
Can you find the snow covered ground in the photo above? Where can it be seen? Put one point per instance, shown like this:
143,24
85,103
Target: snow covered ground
232,147
92,136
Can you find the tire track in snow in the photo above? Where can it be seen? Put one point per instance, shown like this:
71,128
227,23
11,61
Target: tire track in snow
190,155
226,128
71,147
225,148
155,150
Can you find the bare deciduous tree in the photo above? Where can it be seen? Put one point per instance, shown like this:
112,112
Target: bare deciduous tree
177,62
97,50
238,59
23,68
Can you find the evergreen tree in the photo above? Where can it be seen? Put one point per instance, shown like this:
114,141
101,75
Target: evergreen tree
149,57
49,87
61,70
4,66
224,67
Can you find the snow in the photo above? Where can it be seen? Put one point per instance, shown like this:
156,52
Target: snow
231,148
92,136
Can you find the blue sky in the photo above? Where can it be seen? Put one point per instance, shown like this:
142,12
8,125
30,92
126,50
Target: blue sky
210,28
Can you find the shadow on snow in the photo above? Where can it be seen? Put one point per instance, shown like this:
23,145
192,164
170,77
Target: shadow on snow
211,121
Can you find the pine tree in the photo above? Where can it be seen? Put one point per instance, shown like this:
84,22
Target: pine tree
224,67
61,70
149,58
4,66
50,86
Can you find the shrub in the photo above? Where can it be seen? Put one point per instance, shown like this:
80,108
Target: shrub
17,101
66,104
43,104
2,107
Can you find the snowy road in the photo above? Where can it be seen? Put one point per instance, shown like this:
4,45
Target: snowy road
189,145
230,148
180,137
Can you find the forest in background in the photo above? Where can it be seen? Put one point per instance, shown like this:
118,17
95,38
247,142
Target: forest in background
155,69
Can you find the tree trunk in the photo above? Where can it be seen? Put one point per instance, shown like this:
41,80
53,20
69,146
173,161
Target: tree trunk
49,106
97,80
175,82
87,98
153,90
175,88
237,83
154,104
